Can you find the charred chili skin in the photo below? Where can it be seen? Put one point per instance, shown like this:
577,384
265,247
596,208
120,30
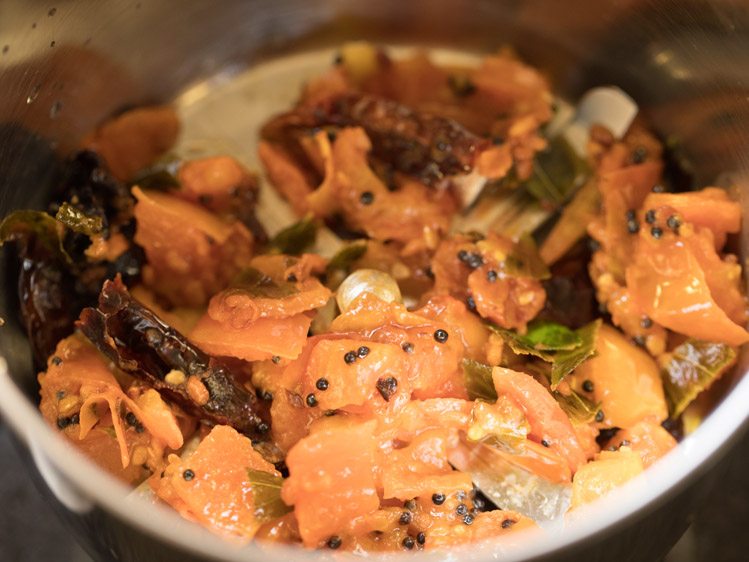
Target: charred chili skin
48,297
420,144
139,343
53,290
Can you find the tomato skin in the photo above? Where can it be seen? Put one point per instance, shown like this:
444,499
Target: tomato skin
239,309
546,418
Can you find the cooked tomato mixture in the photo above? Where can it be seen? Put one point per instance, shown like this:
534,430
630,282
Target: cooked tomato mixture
419,377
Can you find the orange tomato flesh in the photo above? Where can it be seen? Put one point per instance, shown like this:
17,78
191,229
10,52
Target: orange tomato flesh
547,419
212,486
260,340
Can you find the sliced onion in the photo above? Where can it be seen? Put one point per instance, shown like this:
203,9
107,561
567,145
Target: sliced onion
378,283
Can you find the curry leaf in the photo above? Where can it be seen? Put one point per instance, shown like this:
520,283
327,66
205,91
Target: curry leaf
296,238
557,173
525,261
557,348
344,258
161,176
341,264
577,407
261,286
78,221
550,336
520,345
20,225
693,367
266,494
567,361
478,381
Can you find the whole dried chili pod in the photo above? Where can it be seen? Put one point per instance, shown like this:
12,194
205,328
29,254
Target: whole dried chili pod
418,143
139,343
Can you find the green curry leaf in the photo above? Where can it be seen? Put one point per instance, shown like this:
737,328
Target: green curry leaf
550,336
565,349
161,175
296,238
344,258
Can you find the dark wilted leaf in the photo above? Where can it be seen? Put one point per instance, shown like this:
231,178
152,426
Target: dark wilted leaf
557,173
577,407
266,494
693,367
259,285
567,361
478,381
78,221
295,239
525,261
27,224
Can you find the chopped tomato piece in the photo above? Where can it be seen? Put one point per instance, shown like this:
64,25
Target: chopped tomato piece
667,282
213,486
81,396
262,339
191,253
626,381
286,176
433,355
331,478
135,139
352,188
547,419
710,207
608,471
622,192
422,466
647,439
356,376
219,183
